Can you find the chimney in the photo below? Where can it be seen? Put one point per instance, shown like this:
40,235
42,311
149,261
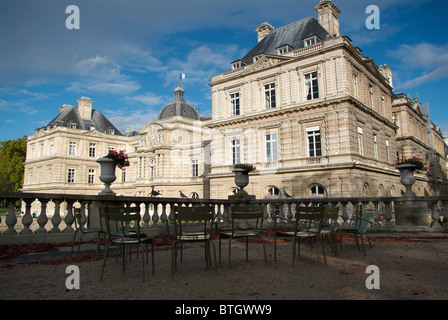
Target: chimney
387,73
85,108
328,15
263,30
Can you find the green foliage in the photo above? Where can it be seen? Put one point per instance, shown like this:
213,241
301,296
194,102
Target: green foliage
12,162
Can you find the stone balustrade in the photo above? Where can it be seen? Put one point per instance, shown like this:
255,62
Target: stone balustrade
53,213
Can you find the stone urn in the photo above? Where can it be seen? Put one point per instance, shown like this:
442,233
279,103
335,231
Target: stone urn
407,178
107,174
241,179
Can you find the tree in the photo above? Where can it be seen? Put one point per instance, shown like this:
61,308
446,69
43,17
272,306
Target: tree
12,162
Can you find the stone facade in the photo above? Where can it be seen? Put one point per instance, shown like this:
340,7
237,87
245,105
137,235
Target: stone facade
315,116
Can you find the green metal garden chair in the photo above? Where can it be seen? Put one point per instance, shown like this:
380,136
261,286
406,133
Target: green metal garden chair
292,228
246,222
193,224
81,229
117,223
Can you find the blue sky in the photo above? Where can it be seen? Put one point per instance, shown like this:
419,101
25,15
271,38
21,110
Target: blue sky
127,55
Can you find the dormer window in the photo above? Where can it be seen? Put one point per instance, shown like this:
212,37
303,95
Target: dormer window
283,49
258,57
238,64
73,125
309,41
111,131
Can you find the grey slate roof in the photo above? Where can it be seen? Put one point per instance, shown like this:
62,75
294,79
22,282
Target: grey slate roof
70,115
292,34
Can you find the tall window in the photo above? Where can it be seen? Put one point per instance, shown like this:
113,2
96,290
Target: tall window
314,142
235,104
312,87
269,92
271,147
355,85
51,147
387,151
236,151
92,150
91,176
152,168
195,168
72,148
371,96
71,175
360,145
123,175
49,174
375,147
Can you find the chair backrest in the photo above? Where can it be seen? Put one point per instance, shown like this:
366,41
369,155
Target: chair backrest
201,217
121,220
79,225
309,218
331,216
245,213
366,221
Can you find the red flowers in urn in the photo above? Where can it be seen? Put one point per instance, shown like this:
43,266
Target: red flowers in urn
120,158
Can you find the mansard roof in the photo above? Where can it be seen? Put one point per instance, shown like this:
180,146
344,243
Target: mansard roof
292,34
70,117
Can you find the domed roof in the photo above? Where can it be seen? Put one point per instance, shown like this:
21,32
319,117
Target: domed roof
179,107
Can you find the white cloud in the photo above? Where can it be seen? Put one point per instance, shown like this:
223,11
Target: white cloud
147,99
421,63
135,120
103,75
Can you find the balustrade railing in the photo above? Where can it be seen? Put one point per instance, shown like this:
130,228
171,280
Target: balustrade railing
53,213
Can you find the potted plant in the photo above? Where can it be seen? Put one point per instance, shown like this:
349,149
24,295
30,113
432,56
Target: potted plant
108,164
242,175
407,168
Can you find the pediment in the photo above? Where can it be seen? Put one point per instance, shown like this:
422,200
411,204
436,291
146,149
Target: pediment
151,127
265,62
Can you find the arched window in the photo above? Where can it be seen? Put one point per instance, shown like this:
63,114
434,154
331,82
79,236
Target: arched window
317,191
194,195
152,169
273,192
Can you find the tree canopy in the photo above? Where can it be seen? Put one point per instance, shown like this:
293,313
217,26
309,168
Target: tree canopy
12,159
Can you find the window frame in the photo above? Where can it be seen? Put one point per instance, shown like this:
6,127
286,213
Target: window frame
271,146
313,133
235,148
270,95
311,93
235,109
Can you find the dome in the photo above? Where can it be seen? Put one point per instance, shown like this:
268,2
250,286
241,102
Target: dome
179,107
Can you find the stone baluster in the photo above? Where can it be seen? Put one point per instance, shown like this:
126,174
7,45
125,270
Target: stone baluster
56,219
42,219
69,217
146,217
435,215
344,214
445,216
11,219
163,216
289,215
376,220
155,215
27,219
388,213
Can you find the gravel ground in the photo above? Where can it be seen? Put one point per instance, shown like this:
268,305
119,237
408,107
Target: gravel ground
408,270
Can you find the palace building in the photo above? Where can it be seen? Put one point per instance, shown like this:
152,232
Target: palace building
314,116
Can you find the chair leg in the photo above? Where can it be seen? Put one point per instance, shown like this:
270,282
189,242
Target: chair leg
143,262
73,242
275,248
323,251
104,261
